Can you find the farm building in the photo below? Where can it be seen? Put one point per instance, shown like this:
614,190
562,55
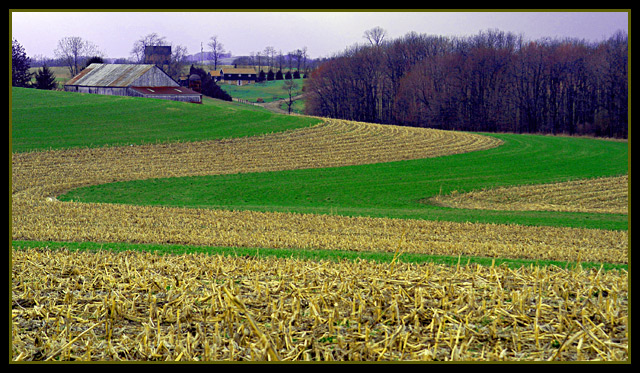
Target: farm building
130,80
237,76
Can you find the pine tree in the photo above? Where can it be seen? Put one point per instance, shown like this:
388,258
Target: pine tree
45,79
20,64
208,85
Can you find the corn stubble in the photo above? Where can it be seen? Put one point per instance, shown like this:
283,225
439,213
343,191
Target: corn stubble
141,306
38,177
608,195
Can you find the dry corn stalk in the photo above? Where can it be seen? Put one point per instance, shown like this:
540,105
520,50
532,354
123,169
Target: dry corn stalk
600,195
140,306
38,177
59,221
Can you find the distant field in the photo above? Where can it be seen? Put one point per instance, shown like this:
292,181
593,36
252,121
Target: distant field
608,195
61,73
267,91
55,120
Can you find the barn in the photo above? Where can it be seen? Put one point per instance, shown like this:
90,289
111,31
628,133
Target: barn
130,80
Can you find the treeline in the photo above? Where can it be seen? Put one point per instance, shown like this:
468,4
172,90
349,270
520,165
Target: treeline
493,81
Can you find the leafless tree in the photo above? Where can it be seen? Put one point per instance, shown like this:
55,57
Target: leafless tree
178,61
375,35
270,53
289,86
217,50
73,49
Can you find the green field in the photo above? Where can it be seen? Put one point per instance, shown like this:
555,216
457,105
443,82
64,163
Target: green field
44,120
103,282
267,91
398,189
54,120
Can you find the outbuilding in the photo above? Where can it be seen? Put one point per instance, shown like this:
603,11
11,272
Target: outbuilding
237,76
130,80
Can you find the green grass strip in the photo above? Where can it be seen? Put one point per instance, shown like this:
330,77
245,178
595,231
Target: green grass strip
307,254
396,189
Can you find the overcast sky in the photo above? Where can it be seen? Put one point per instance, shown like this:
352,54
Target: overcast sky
323,33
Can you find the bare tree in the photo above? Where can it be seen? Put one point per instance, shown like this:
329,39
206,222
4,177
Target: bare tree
73,49
304,55
281,60
217,50
178,61
258,59
269,53
289,86
375,35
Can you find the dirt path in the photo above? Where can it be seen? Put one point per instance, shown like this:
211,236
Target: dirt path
275,105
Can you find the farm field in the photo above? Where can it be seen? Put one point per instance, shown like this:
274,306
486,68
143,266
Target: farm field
267,91
237,191
57,120
395,190
607,195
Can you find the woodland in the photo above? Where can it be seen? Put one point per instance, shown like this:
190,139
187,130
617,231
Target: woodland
494,81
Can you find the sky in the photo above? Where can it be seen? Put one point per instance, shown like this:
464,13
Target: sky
323,33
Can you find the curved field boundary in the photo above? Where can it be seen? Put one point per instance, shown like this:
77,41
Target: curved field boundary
333,143
39,176
600,195
64,221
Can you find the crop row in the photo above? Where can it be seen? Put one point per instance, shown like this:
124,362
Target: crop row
601,195
141,306
37,177
64,221
333,143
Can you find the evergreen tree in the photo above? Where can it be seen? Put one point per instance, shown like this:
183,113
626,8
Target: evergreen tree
45,79
208,85
20,64
95,59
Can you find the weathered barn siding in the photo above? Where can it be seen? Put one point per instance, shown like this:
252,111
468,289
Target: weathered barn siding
115,91
120,80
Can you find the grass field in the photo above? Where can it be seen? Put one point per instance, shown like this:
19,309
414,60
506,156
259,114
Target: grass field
395,190
45,120
268,91
212,248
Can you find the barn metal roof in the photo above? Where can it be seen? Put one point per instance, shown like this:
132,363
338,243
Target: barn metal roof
109,75
178,91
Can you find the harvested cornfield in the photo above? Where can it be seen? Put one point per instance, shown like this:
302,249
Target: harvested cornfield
334,143
141,306
66,221
609,195
38,177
